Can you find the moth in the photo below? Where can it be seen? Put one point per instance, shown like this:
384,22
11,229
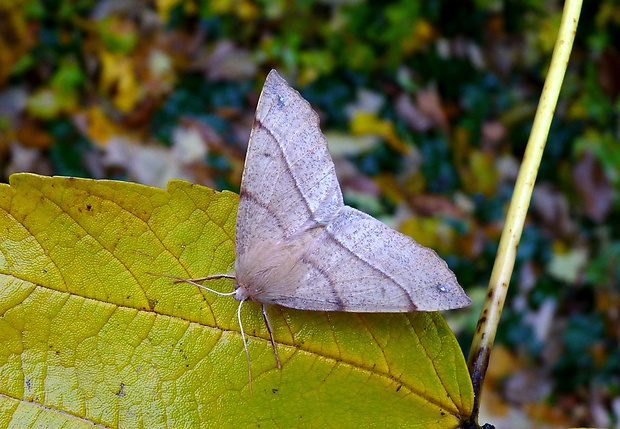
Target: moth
299,246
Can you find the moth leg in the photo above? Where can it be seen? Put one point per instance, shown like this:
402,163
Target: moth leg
273,343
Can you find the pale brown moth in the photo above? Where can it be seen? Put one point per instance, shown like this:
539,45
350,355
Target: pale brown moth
299,246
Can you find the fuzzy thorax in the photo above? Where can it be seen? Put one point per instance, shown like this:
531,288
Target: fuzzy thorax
268,271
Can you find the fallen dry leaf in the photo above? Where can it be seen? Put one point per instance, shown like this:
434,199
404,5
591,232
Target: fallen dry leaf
593,187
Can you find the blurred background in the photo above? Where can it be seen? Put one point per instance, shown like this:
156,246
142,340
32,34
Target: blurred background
427,107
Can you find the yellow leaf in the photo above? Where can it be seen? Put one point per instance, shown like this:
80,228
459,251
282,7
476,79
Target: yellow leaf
164,7
477,170
369,123
99,127
119,79
244,9
88,335
430,232
422,35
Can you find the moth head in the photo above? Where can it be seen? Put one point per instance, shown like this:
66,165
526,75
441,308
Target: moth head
241,293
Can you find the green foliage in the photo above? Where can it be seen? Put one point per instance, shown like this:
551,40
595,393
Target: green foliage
70,151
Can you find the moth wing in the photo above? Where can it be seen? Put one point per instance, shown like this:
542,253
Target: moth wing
289,182
359,264
324,255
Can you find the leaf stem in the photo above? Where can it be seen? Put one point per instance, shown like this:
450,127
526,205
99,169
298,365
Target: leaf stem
484,336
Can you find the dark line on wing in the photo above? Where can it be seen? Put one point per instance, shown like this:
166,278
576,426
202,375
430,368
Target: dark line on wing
337,299
287,164
250,196
330,235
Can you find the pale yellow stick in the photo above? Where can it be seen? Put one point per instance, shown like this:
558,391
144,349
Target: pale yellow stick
509,242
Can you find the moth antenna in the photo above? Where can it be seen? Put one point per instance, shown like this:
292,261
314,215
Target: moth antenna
245,345
273,343
200,279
